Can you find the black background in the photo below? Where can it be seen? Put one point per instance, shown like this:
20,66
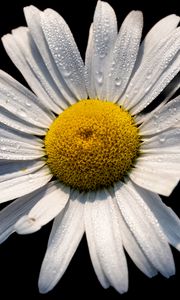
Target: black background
21,256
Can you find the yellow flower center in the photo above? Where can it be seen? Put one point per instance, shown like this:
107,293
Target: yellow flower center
92,144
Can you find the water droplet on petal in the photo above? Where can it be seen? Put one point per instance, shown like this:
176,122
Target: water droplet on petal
30,178
162,140
149,73
99,77
147,89
135,91
28,103
113,64
66,72
118,81
22,113
102,55
131,84
3,148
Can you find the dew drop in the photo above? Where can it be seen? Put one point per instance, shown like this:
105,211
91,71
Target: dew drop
3,148
135,91
99,77
131,84
147,89
162,140
176,120
28,103
102,54
30,178
148,76
106,37
66,72
118,81
113,64
22,113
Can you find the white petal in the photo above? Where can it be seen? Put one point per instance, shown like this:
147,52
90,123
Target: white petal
158,32
66,234
17,56
20,186
158,173
165,142
166,117
11,150
134,250
89,68
124,54
169,73
11,213
145,228
108,242
168,220
15,122
156,70
104,36
169,92
26,225
14,135
21,102
10,170
23,38
17,146
64,52
33,18
91,244
151,181
45,210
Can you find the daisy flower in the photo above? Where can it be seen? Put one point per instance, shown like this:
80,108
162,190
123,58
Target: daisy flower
81,148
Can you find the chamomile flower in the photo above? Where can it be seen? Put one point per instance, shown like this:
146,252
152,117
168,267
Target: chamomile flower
80,149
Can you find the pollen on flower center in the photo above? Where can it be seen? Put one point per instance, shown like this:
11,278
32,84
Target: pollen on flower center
92,144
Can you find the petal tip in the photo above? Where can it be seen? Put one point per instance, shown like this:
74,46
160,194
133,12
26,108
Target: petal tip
42,288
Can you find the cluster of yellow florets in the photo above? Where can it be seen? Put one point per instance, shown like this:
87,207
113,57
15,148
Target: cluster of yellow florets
92,144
